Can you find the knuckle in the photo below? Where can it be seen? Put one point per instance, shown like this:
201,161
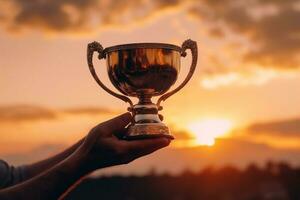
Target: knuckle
116,151
119,151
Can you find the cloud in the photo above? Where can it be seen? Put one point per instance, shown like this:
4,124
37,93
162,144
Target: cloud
90,111
18,113
264,33
256,40
269,26
48,15
254,76
14,113
60,16
284,128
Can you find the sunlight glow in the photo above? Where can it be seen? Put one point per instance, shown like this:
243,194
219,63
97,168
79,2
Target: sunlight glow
206,131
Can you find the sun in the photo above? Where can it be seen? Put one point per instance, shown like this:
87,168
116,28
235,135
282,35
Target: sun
206,131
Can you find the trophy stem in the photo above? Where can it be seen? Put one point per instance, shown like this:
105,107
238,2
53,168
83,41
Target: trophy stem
146,122
144,99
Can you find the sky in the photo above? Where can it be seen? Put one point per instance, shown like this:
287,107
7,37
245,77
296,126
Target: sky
241,106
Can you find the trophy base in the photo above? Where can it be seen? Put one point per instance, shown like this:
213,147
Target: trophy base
147,131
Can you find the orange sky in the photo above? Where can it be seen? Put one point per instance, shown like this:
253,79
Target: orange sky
248,71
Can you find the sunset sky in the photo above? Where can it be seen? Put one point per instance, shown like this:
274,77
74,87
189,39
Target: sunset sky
245,92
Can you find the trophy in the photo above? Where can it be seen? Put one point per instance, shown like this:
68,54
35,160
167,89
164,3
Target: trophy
143,70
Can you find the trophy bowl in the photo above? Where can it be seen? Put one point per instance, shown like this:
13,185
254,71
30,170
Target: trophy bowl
143,70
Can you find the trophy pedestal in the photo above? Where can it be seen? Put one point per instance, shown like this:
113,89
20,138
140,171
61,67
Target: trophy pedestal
147,130
146,124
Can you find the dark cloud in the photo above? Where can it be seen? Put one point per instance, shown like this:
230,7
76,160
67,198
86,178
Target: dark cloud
51,15
17,113
278,37
284,128
90,111
78,15
271,27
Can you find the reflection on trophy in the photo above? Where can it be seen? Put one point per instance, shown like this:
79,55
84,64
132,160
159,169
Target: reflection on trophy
143,70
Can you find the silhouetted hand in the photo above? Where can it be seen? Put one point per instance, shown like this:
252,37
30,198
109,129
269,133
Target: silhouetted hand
102,147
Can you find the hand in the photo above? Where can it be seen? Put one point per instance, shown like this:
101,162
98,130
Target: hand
102,148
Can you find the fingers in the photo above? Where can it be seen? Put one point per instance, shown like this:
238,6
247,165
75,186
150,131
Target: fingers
115,125
140,148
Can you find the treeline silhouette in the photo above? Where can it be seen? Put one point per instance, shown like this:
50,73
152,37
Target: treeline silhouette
274,181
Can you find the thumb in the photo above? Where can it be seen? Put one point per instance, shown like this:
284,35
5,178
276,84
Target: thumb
115,125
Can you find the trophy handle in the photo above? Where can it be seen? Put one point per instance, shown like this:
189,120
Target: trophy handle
91,48
188,44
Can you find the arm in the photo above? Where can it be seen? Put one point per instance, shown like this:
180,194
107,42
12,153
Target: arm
50,184
100,149
10,175
34,169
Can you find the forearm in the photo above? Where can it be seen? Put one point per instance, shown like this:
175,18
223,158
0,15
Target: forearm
41,166
51,184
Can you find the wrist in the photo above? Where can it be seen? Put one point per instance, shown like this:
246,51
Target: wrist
79,163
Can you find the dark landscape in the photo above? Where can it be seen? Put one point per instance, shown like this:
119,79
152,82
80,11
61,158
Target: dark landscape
275,181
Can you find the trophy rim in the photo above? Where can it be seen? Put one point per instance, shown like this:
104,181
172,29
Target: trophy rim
144,45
